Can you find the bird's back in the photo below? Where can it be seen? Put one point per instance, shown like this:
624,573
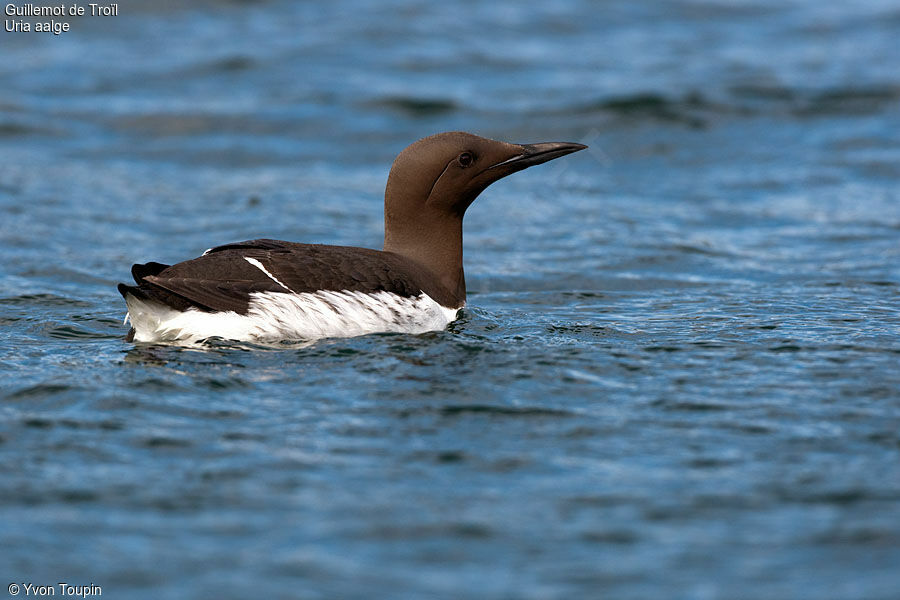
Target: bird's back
263,289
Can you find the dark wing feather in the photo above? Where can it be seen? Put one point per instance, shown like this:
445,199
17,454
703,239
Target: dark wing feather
223,280
151,268
262,244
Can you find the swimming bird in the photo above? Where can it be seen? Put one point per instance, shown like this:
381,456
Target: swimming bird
269,290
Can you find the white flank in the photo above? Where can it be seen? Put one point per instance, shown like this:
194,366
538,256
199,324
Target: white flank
276,316
260,266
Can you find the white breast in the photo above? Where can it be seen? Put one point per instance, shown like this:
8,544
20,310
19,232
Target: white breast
275,316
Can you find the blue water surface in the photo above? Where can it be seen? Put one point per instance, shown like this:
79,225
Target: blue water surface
677,375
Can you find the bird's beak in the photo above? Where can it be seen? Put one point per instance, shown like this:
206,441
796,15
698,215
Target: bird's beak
535,154
511,158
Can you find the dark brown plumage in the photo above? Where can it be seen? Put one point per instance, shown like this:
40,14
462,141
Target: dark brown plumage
222,279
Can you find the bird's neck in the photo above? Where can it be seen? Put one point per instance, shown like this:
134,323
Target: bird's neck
434,243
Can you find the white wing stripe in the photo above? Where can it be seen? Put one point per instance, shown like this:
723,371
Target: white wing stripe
260,266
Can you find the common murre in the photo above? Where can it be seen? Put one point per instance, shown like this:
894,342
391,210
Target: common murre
269,290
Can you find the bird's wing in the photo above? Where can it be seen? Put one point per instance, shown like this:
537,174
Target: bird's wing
225,277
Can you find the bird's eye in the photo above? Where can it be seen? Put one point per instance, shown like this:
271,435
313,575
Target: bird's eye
465,159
